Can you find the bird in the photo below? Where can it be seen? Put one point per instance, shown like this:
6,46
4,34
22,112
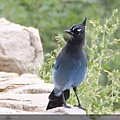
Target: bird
70,68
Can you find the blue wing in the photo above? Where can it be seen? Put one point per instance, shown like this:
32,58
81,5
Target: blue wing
56,65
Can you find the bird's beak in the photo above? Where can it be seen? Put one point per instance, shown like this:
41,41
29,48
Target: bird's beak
69,32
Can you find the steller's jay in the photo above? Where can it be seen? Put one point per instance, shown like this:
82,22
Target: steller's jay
70,68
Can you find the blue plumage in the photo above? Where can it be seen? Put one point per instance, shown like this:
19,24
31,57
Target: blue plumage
70,67
56,65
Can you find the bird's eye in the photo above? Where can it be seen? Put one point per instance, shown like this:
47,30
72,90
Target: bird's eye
79,30
76,30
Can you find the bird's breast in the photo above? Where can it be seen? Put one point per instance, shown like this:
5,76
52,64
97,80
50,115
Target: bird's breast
71,70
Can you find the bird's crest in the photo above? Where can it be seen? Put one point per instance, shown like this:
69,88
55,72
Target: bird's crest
84,22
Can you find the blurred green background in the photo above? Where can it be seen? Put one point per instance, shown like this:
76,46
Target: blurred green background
52,17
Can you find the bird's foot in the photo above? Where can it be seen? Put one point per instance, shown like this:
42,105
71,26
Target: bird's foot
66,106
80,107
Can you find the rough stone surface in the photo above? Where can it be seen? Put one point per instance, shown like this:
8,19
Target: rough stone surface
27,94
13,111
23,93
62,110
25,102
8,75
20,48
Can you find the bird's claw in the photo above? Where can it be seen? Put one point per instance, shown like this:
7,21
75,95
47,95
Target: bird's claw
66,106
80,107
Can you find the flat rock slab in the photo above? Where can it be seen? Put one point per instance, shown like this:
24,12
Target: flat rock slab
23,93
26,83
28,94
8,75
25,102
14,111
63,110
33,89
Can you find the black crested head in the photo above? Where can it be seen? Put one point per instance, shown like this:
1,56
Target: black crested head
77,33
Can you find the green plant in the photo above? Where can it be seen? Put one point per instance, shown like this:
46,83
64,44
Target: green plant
100,91
46,71
53,16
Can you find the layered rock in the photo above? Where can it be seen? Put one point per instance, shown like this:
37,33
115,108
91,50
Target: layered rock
27,94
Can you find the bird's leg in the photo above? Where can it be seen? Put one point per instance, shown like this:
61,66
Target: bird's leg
79,105
64,102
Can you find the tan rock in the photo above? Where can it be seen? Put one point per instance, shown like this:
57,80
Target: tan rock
25,102
63,110
28,94
28,76
32,89
3,87
25,81
9,84
20,48
8,75
25,93
9,111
